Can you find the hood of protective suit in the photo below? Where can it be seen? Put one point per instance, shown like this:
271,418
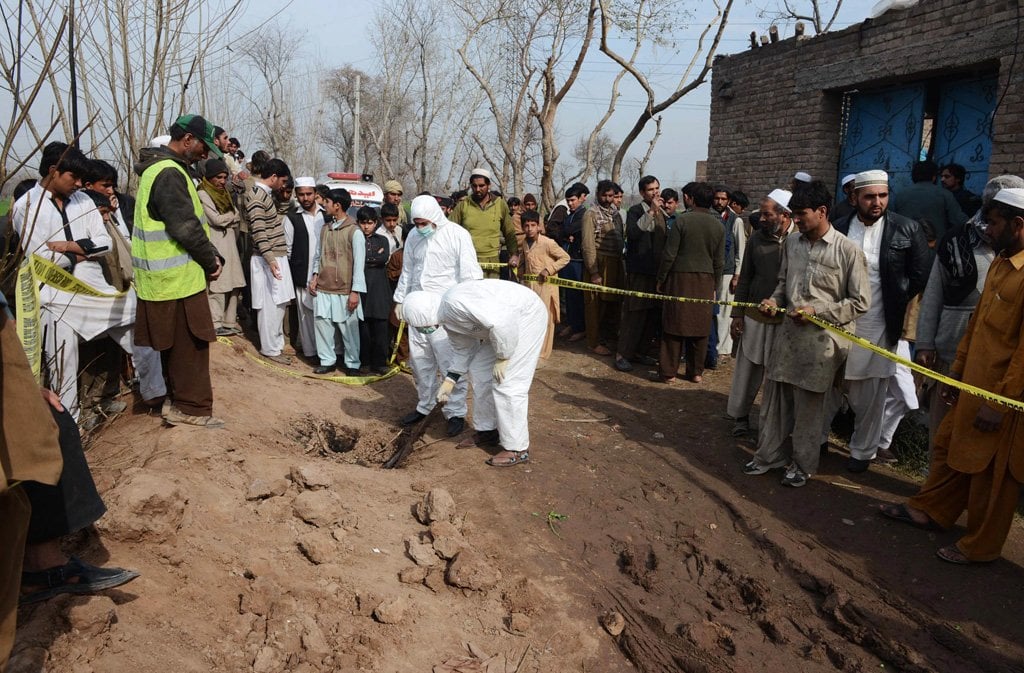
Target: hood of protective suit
425,207
422,309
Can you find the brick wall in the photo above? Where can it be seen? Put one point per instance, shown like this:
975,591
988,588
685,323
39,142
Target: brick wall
777,109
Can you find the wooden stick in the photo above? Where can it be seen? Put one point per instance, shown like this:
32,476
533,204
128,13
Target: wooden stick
583,420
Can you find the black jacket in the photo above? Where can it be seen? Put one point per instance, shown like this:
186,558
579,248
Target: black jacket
298,260
906,262
171,203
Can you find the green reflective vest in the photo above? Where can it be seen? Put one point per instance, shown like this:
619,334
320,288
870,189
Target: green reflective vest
163,268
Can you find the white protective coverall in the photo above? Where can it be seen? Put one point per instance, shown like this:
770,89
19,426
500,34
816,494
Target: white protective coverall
435,264
489,320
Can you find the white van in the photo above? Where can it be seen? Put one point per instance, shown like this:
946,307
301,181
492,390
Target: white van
361,187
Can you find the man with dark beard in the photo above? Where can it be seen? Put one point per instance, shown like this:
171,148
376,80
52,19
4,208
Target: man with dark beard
487,219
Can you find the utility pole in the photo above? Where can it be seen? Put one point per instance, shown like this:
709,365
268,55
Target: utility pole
74,79
355,131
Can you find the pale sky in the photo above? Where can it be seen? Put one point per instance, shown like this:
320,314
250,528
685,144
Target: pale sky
338,39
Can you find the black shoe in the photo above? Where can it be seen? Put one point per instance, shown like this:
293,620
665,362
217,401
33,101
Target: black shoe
646,360
89,579
410,418
856,465
381,371
456,424
622,364
324,369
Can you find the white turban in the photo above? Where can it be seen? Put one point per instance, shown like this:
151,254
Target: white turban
305,181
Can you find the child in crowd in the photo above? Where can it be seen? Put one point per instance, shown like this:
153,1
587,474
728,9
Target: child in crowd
544,257
337,283
376,301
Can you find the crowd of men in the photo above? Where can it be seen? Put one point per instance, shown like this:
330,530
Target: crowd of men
208,244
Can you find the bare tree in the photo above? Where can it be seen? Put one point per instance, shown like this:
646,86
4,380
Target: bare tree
139,63
821,14
690,79
24,86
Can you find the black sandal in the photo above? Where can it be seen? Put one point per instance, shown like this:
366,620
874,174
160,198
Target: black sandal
902,514
74,577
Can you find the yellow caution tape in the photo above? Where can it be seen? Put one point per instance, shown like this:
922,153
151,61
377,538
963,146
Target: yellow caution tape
47,272
34,270
27,325
986,395
347,380
1016,405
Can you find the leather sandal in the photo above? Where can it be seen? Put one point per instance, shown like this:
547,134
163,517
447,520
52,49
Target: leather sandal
74,577
514,458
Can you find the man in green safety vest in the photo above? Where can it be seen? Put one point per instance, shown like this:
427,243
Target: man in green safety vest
174,260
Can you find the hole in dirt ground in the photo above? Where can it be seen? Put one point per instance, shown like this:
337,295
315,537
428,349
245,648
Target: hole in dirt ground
361,443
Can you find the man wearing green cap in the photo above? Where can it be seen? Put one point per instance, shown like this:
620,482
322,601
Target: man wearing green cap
173,260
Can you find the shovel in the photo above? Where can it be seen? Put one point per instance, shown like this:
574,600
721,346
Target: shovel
406,443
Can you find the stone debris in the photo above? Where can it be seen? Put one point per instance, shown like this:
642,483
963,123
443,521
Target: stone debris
144,506
448,541
413,574
261,489
423,554
391,611
318,546
320,508
313,477
437,505
470,570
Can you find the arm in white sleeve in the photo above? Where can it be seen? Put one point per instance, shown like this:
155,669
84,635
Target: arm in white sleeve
358,261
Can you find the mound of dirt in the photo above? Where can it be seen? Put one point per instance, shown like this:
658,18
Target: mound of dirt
631,541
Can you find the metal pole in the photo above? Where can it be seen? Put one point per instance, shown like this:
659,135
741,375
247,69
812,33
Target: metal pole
74,79
355,131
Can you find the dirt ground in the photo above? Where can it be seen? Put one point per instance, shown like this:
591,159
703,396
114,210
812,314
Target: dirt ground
279,544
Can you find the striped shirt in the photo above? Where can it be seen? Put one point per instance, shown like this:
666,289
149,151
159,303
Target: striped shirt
265,224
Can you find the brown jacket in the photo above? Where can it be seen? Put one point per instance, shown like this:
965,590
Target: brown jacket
335,275
29,450
544,255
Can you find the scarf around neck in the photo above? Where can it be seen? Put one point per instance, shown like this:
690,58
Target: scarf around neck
221,198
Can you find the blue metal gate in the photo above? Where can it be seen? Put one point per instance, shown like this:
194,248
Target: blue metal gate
963,128
883,130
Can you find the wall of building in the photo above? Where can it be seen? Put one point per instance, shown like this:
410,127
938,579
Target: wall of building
777,109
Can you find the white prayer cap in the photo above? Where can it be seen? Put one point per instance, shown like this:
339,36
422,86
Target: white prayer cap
481,172
305,181
870,179
847,179
1011,196
802,176
781,197
159,141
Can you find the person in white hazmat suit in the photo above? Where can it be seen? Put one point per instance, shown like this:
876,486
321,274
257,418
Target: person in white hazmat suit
496,329
438,255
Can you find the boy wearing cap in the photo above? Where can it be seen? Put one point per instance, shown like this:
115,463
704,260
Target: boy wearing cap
978,457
